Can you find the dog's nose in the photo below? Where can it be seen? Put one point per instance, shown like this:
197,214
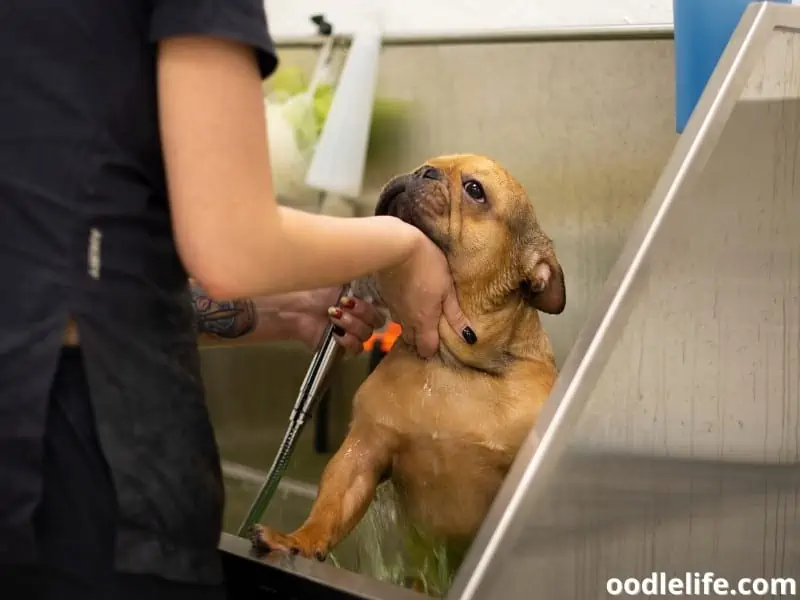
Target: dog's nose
428,172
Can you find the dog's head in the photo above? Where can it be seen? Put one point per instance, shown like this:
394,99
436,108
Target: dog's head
482,219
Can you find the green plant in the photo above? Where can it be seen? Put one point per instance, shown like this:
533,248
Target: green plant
389,116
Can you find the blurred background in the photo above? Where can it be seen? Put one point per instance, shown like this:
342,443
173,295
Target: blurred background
576,99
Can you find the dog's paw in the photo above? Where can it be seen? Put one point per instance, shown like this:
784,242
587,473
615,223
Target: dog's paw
301,543
414,583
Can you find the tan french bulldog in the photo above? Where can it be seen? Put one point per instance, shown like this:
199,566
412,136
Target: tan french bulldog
445,431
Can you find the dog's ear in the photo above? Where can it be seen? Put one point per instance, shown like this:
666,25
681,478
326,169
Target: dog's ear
542,276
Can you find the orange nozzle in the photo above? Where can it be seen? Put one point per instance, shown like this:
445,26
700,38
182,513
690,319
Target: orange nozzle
385,338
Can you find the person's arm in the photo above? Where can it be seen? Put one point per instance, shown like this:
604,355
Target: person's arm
293,316
230,232
235,321
248,321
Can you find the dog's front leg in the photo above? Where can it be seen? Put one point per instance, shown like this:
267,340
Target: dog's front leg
346,490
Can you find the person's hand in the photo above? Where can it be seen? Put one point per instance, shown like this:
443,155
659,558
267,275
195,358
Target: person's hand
354,319
418,293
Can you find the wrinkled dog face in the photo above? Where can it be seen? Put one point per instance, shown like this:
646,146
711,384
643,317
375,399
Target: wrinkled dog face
482,219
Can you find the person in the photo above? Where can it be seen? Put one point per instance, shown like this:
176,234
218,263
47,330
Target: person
133,157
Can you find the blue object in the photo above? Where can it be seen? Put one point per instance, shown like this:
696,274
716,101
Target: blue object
702,31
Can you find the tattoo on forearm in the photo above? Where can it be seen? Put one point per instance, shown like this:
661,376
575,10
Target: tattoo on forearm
227,319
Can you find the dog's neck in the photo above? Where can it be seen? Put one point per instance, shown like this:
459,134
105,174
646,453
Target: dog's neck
509,330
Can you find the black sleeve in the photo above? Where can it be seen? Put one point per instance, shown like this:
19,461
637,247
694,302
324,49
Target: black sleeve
242,21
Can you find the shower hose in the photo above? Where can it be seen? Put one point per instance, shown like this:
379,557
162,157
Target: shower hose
326,357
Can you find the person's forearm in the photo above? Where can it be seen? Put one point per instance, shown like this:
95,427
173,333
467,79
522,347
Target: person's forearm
343,249
303,250
246,321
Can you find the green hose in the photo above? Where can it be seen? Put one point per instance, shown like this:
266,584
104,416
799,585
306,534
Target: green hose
271,483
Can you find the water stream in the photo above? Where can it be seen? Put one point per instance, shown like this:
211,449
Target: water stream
381,546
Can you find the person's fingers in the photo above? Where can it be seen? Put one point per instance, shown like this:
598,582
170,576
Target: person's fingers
351,344
456,317
407,335
427,342
349,323
362,311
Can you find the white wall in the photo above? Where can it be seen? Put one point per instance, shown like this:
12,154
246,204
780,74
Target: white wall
290,18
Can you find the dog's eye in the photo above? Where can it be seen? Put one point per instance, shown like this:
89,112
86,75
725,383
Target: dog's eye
474,190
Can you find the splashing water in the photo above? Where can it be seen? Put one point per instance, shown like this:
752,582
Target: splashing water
389,550
382,546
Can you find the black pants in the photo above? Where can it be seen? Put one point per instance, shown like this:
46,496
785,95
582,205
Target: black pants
75,522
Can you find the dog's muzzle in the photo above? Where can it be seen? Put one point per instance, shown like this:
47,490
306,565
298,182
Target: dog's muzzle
389,199
408,198
395,195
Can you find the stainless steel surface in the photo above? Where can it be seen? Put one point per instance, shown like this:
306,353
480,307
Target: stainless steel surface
606,32
249,476
671,442
322,573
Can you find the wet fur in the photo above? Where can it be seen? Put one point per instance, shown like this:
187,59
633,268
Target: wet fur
446,430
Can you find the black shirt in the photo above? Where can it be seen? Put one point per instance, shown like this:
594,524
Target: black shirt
86,234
